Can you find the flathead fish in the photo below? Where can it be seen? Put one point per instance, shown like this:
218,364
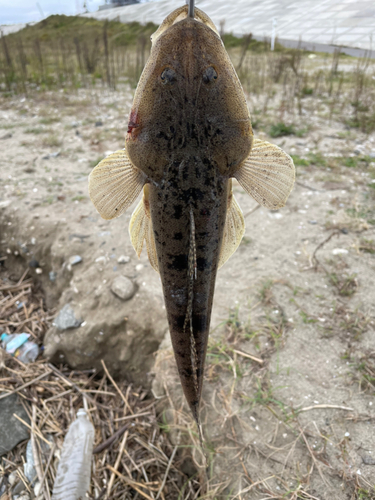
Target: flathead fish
189,134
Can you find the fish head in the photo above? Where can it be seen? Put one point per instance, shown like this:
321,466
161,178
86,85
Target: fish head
188,98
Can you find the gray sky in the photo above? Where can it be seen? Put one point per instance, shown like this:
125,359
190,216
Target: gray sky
24,11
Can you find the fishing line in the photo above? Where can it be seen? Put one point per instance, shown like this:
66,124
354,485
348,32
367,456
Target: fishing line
191,8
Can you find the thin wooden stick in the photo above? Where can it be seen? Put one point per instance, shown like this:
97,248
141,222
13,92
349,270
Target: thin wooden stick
108,442
117,463
317,407
246,355
117,388
25,385
132,483
36,430
166,472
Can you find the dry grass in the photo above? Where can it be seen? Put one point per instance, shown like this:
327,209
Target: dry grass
133,456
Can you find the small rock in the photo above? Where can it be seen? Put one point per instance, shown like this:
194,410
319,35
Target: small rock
368,460
99,123
359,150
123,259
123,287
34,263
75,124
372,154
12,431
33,241
66,319
340,251
52,276
75,259
275,215
6,136
313,222
55,155
38,270
12,479
37,488
4,204
18,490
139,267
101,260
24,496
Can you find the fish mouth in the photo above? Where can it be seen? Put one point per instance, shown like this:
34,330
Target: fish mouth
181,14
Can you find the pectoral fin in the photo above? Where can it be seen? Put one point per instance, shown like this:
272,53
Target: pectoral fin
140,229
234,229
114,184
267,175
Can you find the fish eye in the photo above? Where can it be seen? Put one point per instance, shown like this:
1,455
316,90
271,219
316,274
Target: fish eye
209,75
168,76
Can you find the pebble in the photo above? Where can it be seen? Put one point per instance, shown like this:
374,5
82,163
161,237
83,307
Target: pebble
139,267
52,276
340,251
75,259
275,215
368,460
51,155
38,270
12,431
12,478
123,259
102,259
4,204
66,319
359,149
24,496
313,222
34,263
123,287
98,123
37,488
6,136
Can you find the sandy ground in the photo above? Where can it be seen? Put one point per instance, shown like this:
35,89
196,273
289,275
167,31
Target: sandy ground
298,294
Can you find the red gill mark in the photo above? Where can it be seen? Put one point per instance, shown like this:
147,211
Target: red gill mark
133,122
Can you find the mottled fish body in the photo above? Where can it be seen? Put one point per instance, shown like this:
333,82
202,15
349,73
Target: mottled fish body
189,134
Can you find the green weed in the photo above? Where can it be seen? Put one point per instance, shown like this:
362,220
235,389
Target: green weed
52,141
300,162
281,129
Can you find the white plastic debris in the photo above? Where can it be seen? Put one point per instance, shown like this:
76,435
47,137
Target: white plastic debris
340,251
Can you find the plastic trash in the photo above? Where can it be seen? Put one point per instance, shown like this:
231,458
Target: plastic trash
74,469
18,345
44,453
